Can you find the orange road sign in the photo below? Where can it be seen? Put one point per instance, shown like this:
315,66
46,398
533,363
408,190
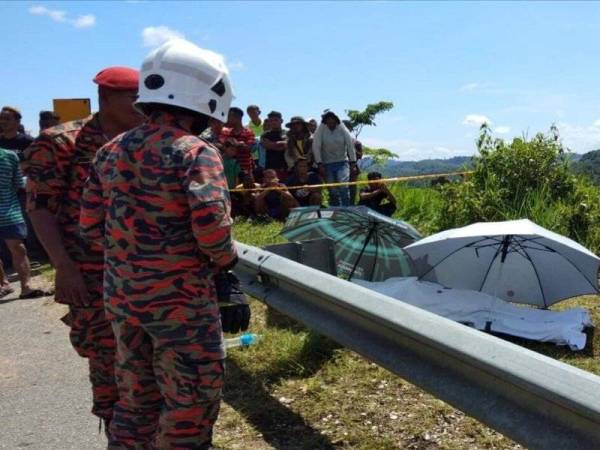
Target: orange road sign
71,108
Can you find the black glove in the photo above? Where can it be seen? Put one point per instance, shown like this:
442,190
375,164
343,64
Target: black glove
233,305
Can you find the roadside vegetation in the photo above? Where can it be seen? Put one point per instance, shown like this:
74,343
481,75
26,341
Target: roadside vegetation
298,390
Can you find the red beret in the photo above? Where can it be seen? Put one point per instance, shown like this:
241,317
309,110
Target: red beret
118,78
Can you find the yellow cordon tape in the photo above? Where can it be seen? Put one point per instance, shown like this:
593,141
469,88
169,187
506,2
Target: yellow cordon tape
354,183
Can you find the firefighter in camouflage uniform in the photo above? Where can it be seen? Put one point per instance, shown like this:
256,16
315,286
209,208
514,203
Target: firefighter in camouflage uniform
57,164
158,197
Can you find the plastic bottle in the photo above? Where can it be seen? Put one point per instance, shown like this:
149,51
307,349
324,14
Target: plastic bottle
243,340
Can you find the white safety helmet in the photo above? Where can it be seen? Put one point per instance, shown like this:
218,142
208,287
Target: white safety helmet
181,74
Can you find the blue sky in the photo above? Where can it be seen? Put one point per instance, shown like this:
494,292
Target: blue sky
446,65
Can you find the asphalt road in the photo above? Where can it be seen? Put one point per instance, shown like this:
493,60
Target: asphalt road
45,396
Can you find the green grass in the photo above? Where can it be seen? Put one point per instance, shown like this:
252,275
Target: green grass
298,390
257,233
418,206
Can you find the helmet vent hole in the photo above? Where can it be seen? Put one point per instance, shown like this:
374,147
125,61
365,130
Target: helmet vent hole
154,81
171,96
212,105
219,88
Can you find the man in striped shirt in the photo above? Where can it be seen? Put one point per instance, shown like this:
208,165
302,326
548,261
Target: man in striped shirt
236,134
13,229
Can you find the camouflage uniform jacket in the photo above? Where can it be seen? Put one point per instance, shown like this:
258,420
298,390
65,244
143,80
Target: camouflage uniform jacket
159,198
57,164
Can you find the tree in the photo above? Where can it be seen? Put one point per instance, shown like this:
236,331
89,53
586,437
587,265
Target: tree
524,178
360,119
379,156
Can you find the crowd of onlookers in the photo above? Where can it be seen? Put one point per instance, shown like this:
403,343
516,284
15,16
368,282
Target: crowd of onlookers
257,153
265,153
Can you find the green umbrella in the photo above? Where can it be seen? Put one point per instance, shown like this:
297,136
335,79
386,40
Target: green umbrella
368,245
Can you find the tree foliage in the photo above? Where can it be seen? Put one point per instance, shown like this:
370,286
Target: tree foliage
360,119
379,156
589,165
524,178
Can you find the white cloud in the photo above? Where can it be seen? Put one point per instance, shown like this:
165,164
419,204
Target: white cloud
476,120
54,14
485,86
84,21
156,36
502,129
469,87
38,10
580,138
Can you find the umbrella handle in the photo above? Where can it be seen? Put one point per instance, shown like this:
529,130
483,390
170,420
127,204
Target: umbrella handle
362,250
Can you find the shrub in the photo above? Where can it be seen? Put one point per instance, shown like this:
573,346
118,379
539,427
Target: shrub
524,178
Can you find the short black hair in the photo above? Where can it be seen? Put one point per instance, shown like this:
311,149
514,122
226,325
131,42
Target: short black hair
14,111
252,107
237,111
275,114
374,176
47,115
329,114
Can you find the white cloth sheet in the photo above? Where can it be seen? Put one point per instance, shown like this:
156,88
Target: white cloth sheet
485,312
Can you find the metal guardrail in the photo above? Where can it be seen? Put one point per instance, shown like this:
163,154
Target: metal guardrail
535,400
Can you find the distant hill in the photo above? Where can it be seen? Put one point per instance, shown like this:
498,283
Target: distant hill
395,168
589,164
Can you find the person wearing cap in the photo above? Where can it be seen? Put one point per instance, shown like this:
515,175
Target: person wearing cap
57,164
255,124
157,196
335,155
275,143
299,142
48,119
234,133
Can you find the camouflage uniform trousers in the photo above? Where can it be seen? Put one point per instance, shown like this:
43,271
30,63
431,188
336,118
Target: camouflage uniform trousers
92,337
169,393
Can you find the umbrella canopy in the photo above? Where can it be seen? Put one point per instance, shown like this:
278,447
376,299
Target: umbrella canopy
515,260
368,245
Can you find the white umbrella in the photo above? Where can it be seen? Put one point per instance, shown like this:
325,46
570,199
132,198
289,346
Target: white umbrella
516,260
